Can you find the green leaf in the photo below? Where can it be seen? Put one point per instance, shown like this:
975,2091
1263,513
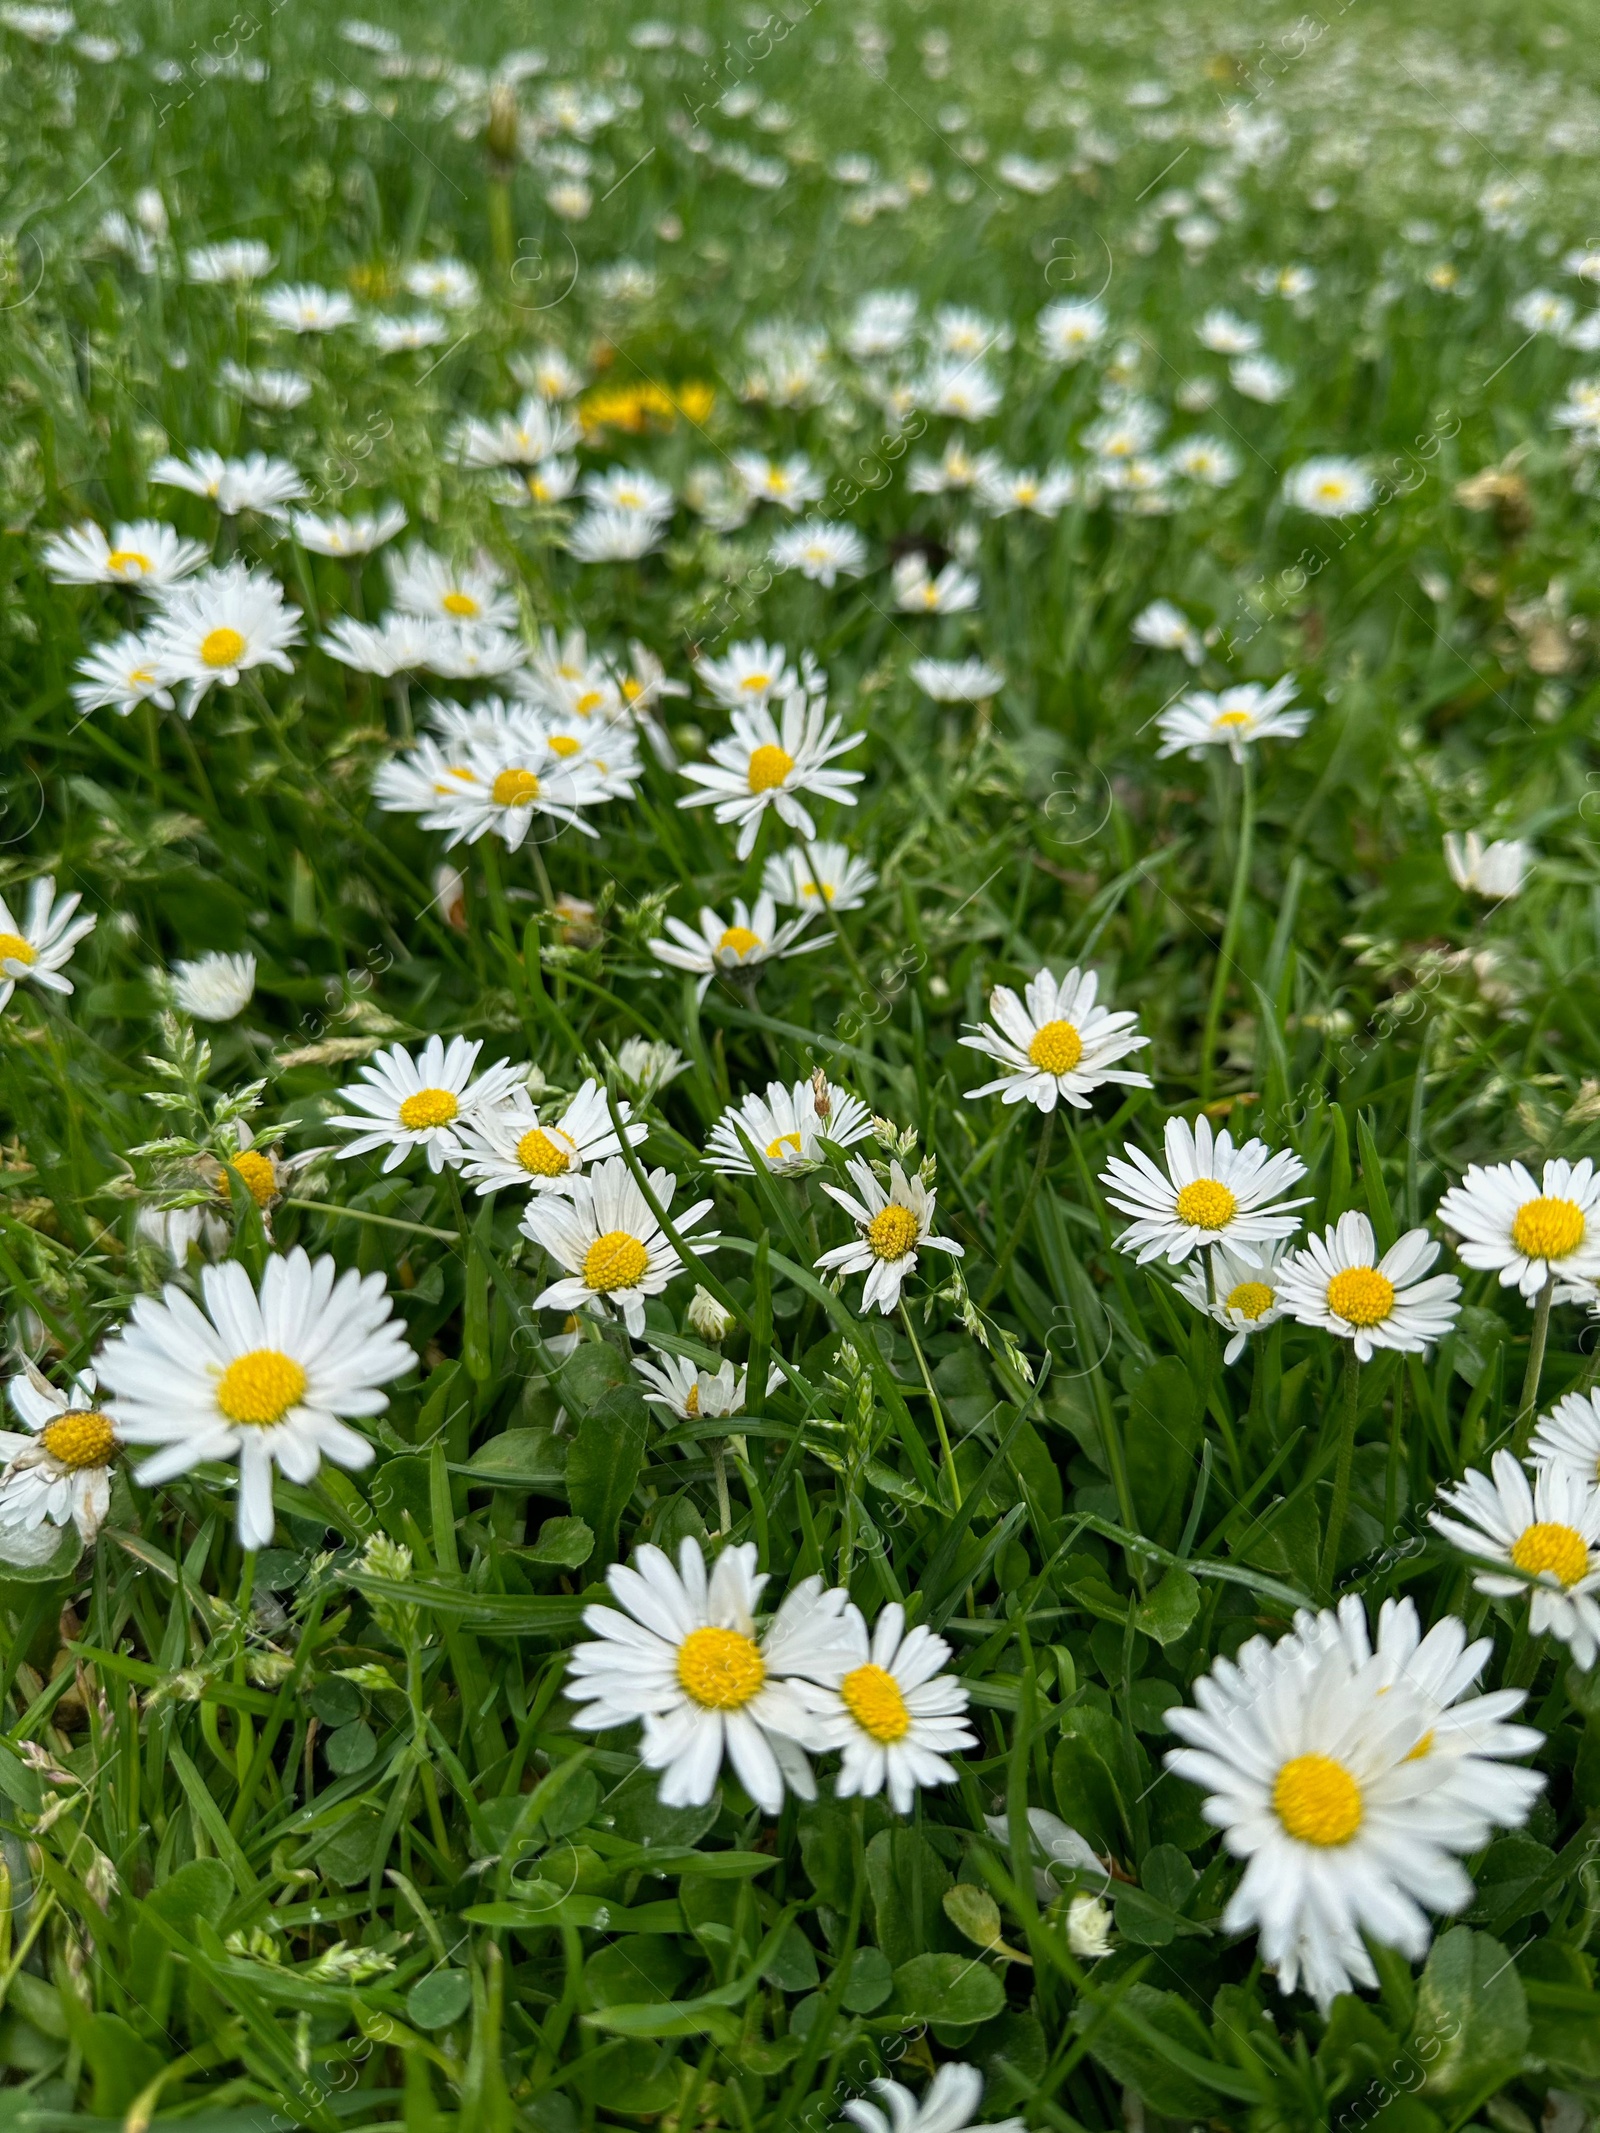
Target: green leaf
792,1965
336,1701
564,1542
974,1913
534,1459
906,1880
1086,1792
1155,2044
351,1748
947,1988
1168,1611
870,1981
345,1855
1163,1437
440,1998
118,2058
603,1463
1472,2015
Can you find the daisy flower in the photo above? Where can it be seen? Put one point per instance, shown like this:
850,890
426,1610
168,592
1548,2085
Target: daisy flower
256,483
40,945
1568,1439
1225,334
282,390
399,644
789,483
1313,1778
763,764
350,537
1330,488
891,1228
1209,1193
532,434
302,307
917,593
61,1471
1233,719
1166,628
119,676
1055,1044
818,875
747,674
820,550
551,481
1240,1295
1069,330
881,324
401,334
680,1651
613,1248
893,1713
402,1103
1261,379
629,489
425,583
1547,1536
508,1144
963,390
1206,461
1496,871
957,468
957,681
1529,1234
214,988
754,938
145,553
785,1126
237,260
606,534
690,1392
949,2103
500,785
220,625
1002,491
264,1379
450,282
1337,1281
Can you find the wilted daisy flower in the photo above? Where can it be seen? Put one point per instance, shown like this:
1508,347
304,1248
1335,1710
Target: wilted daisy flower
689,1391
261,1379
425,583
1259,378
40,946
1055,1044
214,988
1338,1282
1546,1535
1496,871
1241,1295
239,260
819,550
1167,628
818,876
1529,1234
785,1126
957,681
645,1065
1071,329
119,676
303,307
339,536
509,1144
1329,488
1210,1193
612,1247
915,592
949,2105
402,1103
1233,719
686,1659
1567,1440
220,625
1314,1779
609,534
747,673
145,553
763,764
891,1228
59,1473
754,938
896,1717
256,483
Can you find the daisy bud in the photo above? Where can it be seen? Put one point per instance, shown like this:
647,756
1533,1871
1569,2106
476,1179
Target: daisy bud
820,1097
500,136
1088,1928
707,1317
450,896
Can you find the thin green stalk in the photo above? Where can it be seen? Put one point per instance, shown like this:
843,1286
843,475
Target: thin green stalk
1350,1402
1230,927
1003,1264
1529,1402
938,1412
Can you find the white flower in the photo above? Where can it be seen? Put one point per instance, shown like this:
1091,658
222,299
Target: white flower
881,324
790,482
1330,488
144,553
1069,330
238,260
1002,490
1233,719
1127,431
896,1717
957,468
1168,629
891,1228
399,644
1528,1233
961,389
40,945
949,2105
613,1248
257,483
691,1393
552,481
1567,1440
1210,1193
952,592
508,1143
1258,377
819,550
707,1317
60,1472
1337,1281
1088,1928
606,534
340,536
755,937
500,784
1496,871
763,764
818,875
1225,334
400,335
629,490
1242,1296
747,673
1543,311
119,676
1546,1536
421,1102
532,434
282,390
214,988
1205,460
302,307
957,681
685,1658
1055,1044
450,282
425,583
647,1065
785,1126
220,625
264,1380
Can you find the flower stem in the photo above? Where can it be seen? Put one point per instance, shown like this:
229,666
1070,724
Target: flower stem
1003,1263
938,1412
1530,1383
719,1468
1351,1395
1230,925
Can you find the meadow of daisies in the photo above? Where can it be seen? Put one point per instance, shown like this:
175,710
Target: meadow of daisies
800,1059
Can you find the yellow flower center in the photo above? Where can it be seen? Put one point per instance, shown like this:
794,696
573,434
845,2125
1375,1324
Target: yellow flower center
1231,718
538,1153
221,648
80,1438
1056,1047
873,1699
256,1170
1548,1228
738,940
563,744
769,766
892,1232
460,603
260,1387
515,788
632,689
785,1144
141,677
589,701
429,1107
1205,1204
1550,1547
1317,1800
1361,1296
615,1261
1250,1299
720,1668
756,682
128,563
14,949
